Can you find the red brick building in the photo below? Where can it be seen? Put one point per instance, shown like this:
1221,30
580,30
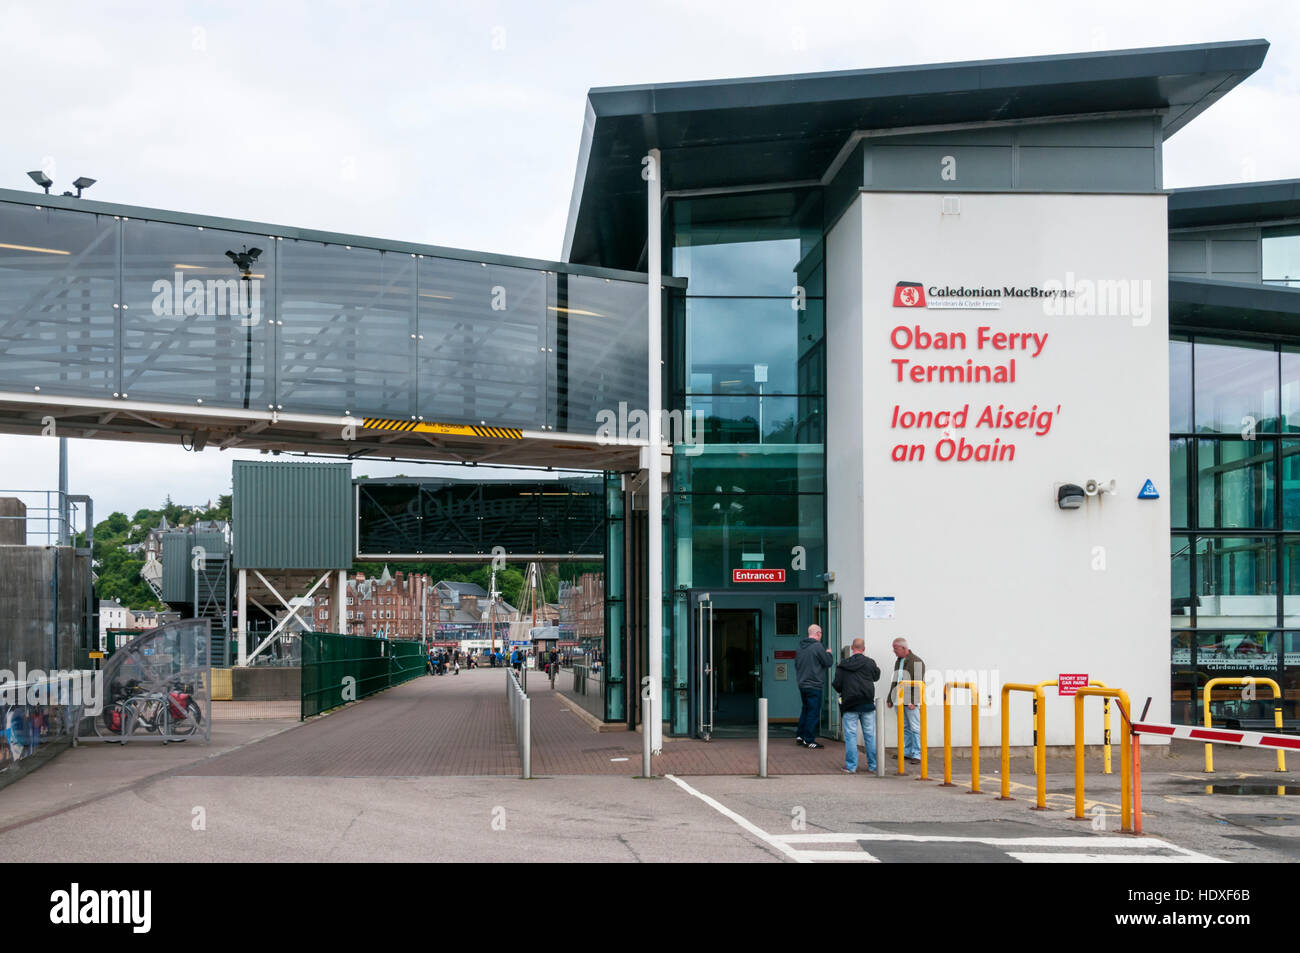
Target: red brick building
396,607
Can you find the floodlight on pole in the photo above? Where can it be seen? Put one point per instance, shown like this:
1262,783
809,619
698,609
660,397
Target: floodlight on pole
41,179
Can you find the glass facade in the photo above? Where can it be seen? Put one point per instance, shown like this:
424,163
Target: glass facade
1280,255
107,306
1235,520
748,370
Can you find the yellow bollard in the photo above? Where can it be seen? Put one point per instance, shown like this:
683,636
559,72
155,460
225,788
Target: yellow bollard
898,702
1040,741
1208,690
1125,759
947,736
974,734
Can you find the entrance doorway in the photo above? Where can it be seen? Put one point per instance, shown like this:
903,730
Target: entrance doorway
738,672
743,646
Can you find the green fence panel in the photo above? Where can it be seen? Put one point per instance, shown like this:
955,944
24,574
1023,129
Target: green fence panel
407,661
337,669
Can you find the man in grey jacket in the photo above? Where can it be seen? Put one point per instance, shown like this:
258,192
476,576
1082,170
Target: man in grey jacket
811,661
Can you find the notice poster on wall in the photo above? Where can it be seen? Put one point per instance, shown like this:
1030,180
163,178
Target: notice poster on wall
879,607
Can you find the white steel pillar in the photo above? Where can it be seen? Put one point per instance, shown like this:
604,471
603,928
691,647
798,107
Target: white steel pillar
654,518
341,600
242,628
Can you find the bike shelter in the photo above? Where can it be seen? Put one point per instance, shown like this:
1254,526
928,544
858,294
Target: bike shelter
156,687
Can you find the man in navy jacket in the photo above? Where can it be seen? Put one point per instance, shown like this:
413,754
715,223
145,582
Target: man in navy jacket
811,661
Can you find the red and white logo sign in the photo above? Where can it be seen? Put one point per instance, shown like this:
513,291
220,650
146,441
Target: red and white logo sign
758,575
1070,684
909,294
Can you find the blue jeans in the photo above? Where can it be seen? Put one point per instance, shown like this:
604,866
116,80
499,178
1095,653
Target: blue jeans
911,732
851,720
810,717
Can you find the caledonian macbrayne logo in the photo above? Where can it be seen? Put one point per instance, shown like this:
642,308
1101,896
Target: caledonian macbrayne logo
909,294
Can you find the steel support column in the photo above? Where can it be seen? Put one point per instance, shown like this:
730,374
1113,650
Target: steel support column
242,627
655,489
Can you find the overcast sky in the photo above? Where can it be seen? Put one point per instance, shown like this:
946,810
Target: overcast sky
458,124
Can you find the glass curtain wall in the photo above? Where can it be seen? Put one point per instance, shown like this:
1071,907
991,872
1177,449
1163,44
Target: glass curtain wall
118,308
1234,461
747,377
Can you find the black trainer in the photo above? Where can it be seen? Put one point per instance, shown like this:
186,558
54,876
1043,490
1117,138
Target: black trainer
813,744
799,741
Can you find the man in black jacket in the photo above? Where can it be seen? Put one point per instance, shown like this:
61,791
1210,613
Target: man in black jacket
811,660
855,681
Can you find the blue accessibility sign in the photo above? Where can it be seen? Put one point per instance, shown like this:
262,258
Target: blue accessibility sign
1148,491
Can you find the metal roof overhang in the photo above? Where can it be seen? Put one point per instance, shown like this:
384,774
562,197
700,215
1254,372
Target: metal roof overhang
215,427
740,132
1247,203
1231,307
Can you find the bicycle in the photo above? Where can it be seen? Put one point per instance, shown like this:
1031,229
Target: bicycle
172,714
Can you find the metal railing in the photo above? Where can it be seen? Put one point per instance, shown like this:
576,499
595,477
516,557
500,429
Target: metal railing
521,717
51,517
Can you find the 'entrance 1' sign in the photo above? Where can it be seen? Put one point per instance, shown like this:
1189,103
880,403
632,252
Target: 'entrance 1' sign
758,575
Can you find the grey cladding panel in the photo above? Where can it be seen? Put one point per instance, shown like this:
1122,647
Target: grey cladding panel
1105,169
1234,257
921,167
1137,132
1186,257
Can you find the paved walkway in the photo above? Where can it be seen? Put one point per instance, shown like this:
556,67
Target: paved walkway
458,726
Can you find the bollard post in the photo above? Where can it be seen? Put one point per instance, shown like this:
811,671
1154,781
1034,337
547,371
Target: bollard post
1040,741
1137,783
898,703
974,734
1125,755
762,737
947,736
526,722
647,712
881,748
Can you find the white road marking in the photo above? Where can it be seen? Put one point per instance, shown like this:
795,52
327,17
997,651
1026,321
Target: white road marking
957,839
1044,858
1124,844
725,811
838,856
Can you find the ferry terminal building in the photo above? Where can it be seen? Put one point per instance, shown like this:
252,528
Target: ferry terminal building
964,372
918,303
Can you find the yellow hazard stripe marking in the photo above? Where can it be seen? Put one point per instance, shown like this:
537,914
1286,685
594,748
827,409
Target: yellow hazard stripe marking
457,430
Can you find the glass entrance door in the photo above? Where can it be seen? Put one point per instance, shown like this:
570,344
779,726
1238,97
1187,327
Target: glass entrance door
737,667
826,613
